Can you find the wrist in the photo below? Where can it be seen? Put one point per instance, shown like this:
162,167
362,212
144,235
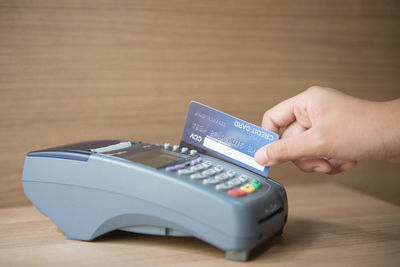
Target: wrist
388,118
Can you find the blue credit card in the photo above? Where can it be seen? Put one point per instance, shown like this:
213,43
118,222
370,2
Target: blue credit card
217,133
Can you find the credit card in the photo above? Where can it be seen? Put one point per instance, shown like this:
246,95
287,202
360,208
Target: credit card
216,133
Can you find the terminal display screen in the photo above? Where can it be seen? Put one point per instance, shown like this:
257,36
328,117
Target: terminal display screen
155,157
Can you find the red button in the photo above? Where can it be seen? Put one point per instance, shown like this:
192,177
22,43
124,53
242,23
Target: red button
237,192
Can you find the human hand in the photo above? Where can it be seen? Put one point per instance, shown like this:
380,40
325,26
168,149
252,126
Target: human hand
328,131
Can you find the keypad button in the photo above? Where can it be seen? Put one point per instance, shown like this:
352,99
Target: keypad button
237,192
175,148
167,145
197,176
234,182
223,186
248,188
222,177
207,164
170,169
180,166
243,178
199,159
209,172
184,149
231,173
185,172
192,152
197,168
219,168
193,162
256,183
210,181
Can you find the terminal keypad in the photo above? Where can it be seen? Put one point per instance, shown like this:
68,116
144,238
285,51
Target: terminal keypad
237,184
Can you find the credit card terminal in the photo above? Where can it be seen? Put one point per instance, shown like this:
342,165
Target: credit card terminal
91,188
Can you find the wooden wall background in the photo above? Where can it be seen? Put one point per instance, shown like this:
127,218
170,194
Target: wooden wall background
81,70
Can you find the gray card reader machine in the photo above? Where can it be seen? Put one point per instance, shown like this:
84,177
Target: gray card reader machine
91,188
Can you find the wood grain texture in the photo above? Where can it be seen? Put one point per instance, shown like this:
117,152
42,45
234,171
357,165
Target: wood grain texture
328,225
81,70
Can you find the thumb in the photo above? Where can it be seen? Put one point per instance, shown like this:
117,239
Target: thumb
287,149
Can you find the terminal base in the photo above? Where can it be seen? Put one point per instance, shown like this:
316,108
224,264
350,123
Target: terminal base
237,255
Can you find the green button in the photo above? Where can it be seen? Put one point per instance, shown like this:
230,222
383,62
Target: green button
256,183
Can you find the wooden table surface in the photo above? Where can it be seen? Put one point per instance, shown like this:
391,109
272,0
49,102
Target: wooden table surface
328,225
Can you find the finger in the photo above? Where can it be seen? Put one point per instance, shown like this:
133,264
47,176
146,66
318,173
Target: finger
279,116
312,164
394,159
291,148
294,128
341,165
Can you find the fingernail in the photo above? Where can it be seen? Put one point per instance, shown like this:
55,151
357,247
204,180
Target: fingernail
347,166
320,169
261,157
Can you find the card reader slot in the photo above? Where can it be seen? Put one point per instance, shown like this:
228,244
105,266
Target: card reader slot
266,218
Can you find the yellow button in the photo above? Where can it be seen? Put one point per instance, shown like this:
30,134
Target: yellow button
248,188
